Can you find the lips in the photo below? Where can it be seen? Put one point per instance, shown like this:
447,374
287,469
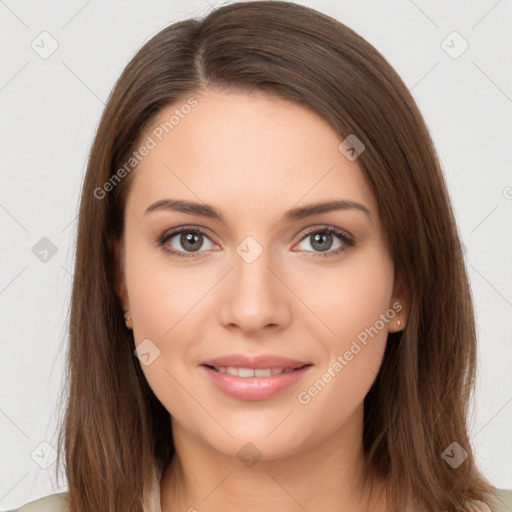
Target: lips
254,377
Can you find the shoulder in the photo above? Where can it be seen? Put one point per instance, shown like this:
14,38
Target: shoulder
58,503
500,501
52,503
503,498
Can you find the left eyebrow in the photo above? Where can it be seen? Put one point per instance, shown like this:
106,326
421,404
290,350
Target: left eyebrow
294,214
302,212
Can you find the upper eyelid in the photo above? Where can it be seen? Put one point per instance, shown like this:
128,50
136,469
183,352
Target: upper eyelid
326,227
306,231
171,233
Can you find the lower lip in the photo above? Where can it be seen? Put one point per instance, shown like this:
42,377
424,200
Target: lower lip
254,388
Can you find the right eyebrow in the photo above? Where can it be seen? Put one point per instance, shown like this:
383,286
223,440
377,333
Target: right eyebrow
190,207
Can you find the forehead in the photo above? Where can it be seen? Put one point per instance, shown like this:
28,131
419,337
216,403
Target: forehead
248,150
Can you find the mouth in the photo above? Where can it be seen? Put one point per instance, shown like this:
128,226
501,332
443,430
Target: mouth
256,378
253,372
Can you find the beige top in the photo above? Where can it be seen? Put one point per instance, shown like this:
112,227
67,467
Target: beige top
57,502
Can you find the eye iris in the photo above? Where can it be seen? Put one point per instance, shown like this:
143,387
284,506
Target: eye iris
187,241
322,238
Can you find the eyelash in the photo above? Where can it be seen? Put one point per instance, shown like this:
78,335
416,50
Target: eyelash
346,240
341,235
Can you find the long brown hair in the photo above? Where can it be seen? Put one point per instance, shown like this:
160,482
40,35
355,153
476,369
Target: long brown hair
115,430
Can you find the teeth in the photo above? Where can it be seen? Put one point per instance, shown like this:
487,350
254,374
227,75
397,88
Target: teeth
244,372
251,372
267,372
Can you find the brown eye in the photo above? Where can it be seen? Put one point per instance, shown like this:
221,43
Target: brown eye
191,241
185,242
322,241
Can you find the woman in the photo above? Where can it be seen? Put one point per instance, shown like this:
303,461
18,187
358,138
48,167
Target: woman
270,306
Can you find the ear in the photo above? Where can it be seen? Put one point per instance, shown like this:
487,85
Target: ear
398,304
118,253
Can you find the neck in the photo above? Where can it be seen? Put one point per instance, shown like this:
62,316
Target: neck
325,476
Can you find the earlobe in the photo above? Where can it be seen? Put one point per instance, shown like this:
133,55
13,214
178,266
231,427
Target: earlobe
397,321
399,306
128,320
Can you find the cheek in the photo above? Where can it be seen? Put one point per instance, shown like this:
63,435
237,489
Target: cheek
353,303
350,297
161,293
164,304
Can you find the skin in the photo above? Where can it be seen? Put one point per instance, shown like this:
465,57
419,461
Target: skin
254,157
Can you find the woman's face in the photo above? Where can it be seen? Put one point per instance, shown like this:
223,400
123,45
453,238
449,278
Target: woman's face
255,280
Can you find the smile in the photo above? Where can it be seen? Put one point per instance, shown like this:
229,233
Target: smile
251,372
246,383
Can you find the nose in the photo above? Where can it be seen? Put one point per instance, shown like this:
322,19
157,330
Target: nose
253,297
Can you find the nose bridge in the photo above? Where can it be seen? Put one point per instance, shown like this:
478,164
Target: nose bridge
252,297
252,272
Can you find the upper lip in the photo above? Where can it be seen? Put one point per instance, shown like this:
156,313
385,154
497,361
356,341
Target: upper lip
255,362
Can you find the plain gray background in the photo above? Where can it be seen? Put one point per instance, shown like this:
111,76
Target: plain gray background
50,108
